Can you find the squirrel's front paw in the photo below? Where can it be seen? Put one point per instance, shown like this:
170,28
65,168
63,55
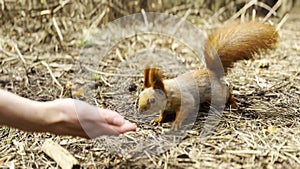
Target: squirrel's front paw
156,121
176,125
232,102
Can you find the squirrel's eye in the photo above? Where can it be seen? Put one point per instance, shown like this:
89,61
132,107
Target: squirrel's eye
152,100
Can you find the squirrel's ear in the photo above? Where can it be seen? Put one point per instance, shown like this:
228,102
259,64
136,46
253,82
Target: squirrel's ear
147,82
156,79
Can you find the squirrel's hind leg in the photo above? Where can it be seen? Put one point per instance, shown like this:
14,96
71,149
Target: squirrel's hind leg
187,106
180,117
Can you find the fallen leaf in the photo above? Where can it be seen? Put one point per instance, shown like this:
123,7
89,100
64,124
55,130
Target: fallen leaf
78,92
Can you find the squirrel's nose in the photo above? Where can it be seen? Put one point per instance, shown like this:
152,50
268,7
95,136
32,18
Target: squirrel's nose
141,109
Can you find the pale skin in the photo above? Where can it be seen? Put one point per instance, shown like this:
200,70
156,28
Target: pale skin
62,117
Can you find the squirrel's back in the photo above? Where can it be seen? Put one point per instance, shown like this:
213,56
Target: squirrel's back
238,41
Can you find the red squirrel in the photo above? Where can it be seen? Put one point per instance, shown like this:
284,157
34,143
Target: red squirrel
229,44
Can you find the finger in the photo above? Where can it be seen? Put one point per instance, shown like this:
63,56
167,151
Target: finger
127,126
118,121
108,129
112,117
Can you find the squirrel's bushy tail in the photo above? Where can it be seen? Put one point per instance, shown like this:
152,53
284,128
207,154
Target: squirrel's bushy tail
238,41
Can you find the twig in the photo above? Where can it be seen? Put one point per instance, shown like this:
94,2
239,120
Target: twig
62,4
57,29
118,9
119,55
243,10
105,82
19,53
176,8
292,156
45,12
51,73
167,161
130,137
145,17
113,93
267,7
283,20
60,155
151,159
181,21
274,8
111,74
247,6
98,20
97,104
11,57
5,158
253,152
253,14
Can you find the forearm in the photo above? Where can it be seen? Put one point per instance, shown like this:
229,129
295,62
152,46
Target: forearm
60,116
20,112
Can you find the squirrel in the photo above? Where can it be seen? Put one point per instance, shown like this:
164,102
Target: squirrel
178,95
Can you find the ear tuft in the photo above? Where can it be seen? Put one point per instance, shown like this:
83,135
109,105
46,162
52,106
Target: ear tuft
147,83
156,79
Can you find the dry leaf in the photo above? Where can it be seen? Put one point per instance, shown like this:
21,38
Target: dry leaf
78,92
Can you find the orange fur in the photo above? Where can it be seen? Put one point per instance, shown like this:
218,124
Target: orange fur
156,80
229,44
238,41
146,77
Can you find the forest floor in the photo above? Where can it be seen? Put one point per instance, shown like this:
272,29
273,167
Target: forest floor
263,133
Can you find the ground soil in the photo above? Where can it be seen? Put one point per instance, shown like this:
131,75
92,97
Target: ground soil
263,133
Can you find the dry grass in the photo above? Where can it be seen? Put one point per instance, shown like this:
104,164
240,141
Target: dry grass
40,48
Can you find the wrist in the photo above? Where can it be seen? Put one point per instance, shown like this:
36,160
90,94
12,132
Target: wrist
60,117
49,115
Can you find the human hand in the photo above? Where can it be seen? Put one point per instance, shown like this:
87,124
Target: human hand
78,118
